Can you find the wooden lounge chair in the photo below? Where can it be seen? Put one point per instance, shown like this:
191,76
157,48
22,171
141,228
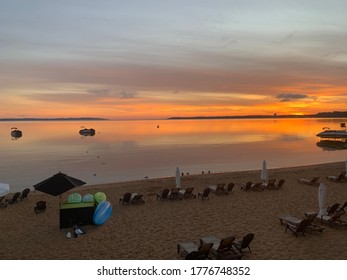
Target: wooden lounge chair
191,251
273,186
333,209
175,194
24,194
257,187
41,206
312,182
230,187
219,189
246,187
187,193
220,246
244,243
2,203
301,227
137,199
14,198
125,199
334,220
164,195
204,194
340,178
294,222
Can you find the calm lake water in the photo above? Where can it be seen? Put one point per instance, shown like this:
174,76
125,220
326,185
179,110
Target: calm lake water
132,150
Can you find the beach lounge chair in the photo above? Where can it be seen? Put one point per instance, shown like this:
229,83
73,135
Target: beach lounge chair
204,194
41,206
244,243
164,195
293,221
24,194
342,208
246,187
191,251
137,199
2,203
220,246
333,209
175,194
312,182
219,189
301,227
230,187
270,184
187,193
125,199
334,220
14,198
341,177
257,187
280,184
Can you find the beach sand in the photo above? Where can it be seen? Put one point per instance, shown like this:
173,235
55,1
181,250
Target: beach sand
152,230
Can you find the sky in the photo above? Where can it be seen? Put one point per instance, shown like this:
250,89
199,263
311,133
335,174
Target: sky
156,59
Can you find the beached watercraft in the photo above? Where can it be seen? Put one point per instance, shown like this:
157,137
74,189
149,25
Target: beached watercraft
15,132
87,131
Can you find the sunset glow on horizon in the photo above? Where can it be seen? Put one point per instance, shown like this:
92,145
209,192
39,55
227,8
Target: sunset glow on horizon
159,59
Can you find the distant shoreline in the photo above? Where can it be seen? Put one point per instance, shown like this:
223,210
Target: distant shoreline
318,115
53,119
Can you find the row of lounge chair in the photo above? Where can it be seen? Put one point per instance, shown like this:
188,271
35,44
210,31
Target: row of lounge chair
212,247
271,185
315,180
18,196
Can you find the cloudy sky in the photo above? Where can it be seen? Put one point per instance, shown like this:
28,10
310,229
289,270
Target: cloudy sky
161,58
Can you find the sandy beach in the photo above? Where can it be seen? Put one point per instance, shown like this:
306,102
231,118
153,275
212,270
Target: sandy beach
153,230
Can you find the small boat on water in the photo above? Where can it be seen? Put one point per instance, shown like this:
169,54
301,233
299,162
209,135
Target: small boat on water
333,133
87,131
16,133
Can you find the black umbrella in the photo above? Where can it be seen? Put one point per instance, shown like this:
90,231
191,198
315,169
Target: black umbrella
58,184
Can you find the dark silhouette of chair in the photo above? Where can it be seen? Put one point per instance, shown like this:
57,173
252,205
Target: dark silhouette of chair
125,199
334,220
341,177
220,189
280,183
342,208
164,195
175,194
244,243
230,187
137,199
191,251
220,246
246,187
333,209
301,227
2,204
41,206
312,182
24,194
188,193
14,198
204,194
257,187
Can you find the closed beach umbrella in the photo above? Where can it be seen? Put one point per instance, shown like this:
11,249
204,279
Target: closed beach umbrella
178,178
264,176
4,189
322,197
58,184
